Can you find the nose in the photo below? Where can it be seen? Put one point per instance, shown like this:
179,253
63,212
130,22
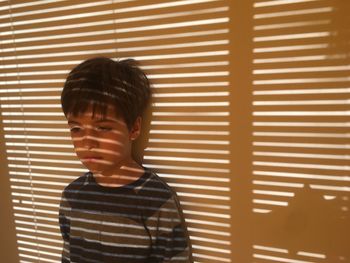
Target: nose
89,139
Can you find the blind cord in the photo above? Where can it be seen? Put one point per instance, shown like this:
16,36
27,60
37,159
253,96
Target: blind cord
25,136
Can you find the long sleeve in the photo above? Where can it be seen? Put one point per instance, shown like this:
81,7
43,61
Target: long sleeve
64,221
172,243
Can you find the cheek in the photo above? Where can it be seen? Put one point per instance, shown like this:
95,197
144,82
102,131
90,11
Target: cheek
120,147
78,145
76,142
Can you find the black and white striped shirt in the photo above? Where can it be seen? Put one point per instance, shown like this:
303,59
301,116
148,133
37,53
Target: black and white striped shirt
138,222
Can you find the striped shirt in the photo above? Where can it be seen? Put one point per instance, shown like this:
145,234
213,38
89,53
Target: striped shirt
138,222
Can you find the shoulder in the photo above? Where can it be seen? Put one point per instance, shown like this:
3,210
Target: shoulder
155,193
153,184
76,185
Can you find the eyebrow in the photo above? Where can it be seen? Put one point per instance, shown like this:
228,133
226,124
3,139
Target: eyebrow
73,122
97,121
105,120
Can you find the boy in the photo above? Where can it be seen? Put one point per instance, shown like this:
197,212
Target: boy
118,211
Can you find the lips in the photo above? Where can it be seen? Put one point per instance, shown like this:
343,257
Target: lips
91,158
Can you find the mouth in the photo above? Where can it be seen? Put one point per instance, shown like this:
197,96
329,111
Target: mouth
91,159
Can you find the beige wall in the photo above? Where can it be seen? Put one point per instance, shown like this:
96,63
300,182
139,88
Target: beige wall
305,224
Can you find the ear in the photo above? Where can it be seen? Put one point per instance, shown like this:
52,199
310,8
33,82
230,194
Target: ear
135,129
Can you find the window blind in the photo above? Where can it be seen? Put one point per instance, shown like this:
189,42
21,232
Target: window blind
301,131
182,45
298,208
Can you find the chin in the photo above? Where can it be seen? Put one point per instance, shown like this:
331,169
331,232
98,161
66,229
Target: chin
93,169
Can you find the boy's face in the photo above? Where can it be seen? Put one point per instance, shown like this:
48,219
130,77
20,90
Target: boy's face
102,144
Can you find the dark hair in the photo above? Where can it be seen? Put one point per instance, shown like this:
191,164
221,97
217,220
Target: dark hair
101,81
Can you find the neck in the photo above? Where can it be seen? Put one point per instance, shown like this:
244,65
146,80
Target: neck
125,174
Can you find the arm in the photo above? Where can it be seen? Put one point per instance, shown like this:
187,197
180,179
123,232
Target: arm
172,243
64,223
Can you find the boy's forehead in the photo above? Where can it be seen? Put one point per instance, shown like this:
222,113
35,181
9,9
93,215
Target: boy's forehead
110,114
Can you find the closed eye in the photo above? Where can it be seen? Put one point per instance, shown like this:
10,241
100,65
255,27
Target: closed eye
75,129
103,128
